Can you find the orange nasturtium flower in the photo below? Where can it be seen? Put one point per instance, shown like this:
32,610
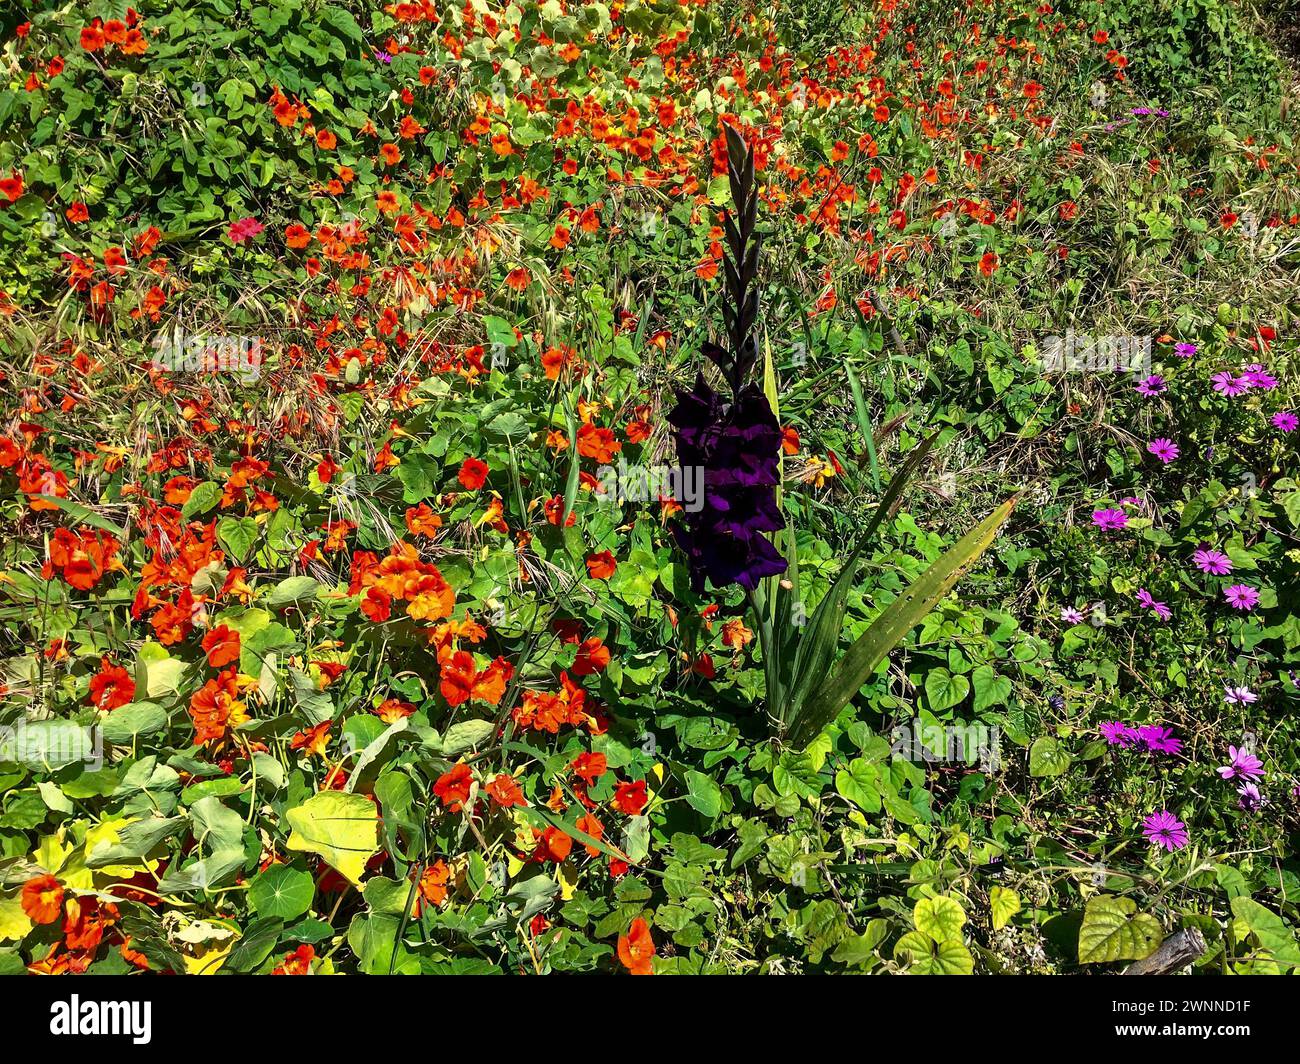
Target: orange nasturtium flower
505,792
433,884
111,687
215,708
636,949
298,962
453,787
42,899
473,474
222,646
601,566
313,739
592,658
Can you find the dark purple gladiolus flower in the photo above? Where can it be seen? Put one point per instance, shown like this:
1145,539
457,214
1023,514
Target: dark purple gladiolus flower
733,441
737,445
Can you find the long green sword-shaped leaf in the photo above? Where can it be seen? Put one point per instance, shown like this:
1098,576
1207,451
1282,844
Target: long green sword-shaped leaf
888,630
810,660
571,486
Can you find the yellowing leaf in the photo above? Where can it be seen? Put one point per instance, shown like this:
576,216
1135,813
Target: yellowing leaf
1005,904
14,923
342,828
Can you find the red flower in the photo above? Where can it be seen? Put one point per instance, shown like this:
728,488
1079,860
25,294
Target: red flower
453,787
42,899
630,798
505,792
592,658
601,566
298,962
553,845
636,949
11,187
473,474
111,687
222,646
590,767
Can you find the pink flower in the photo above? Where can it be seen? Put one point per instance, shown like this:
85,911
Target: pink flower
1241,764
244,229
1212,561
1241,596
1109,519
1147,601
1165,829
1285,420
1164,449
1226,384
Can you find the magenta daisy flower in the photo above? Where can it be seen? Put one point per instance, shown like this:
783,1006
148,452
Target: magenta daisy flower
1152,385
1164,449
1213,562
1147,601
1226,384
1241,596
1285,420
1242,764
1258,377
1250,799
1071,615
1184,350
1165,829
1109,519
1117,733
1159,740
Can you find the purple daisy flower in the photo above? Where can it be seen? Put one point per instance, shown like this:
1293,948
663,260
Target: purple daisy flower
1241,696
1152,385
1213,562
1158,739
1147,601
1109,519
1117,733
1071,615
1165,829
1164,449
1242,764
1285,420
1250,799
1226,384
1241,596
1257,377
1184,350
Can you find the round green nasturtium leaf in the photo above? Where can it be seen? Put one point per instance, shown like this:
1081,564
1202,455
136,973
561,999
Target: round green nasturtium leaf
282,891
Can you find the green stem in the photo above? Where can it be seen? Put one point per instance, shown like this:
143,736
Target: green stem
767,641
